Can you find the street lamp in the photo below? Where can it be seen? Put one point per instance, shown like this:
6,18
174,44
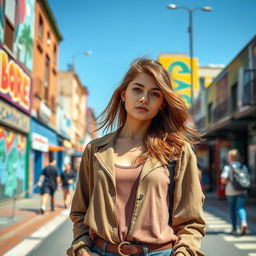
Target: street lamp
190,31
78,54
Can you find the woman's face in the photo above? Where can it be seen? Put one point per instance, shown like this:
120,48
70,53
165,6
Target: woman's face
143,98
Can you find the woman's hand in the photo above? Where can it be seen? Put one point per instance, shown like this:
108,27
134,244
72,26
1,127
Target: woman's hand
85,251
70,181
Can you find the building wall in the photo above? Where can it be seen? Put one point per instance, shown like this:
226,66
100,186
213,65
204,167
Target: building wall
23,30
73,99
16,55
208,73
179,68
45,46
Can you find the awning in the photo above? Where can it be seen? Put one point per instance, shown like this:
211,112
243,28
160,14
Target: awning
56,148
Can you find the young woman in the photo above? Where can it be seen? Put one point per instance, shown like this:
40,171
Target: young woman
121,203
68,184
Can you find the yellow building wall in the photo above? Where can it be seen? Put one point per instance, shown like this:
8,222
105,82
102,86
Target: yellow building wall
178,66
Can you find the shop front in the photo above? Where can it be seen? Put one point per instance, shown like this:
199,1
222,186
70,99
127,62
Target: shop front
14,129
44,145
15,108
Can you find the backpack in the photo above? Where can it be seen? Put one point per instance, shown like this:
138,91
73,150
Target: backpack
240,179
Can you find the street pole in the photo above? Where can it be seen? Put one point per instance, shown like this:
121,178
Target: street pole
190,31
78,54
191,54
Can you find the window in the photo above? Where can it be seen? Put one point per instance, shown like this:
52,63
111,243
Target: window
46,77
40,28
210,113
9,16
10,7
234,98
55,54
48,38
249,92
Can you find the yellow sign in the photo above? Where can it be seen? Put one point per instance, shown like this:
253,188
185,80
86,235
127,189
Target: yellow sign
178,66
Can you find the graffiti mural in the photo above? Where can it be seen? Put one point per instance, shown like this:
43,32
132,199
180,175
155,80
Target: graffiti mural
12,163
20,13
180,72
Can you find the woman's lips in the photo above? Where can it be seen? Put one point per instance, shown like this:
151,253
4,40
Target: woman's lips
142,109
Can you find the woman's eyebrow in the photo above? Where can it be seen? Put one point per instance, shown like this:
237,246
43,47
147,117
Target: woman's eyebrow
141,85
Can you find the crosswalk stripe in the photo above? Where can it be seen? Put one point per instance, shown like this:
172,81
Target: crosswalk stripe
239,238
245,246
216,222
218,225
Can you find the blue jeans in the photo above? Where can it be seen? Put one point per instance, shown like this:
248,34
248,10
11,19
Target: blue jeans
236,208
167,252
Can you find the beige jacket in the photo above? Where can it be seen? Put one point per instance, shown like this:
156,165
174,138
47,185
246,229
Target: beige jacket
93,204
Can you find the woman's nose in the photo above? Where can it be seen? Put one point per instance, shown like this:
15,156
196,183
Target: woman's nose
144,99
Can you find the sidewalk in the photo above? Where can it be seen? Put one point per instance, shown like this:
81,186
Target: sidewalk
220,208
26,220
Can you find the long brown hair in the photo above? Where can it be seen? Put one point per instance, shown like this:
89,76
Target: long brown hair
169,129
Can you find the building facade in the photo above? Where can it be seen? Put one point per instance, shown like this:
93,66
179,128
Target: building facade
44,138
16,43
227,115
73,101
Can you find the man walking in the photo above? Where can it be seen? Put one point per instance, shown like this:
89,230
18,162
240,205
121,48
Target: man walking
48,181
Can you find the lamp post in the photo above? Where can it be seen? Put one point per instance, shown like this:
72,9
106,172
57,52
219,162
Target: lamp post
78,54
190,31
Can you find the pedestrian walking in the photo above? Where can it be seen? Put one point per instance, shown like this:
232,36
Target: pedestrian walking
68,183
122,204
236,198
48,181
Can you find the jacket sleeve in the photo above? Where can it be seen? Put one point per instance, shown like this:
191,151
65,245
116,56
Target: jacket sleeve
188,221
80,204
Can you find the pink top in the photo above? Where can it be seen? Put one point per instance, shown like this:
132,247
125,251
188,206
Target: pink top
127,181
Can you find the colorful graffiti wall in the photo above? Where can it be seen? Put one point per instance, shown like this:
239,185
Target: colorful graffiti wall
180,72
15,83
12,163
20,14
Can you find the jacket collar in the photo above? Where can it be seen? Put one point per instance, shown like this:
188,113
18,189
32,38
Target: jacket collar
105,156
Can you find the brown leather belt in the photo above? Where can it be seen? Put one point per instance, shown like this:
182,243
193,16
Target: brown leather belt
127,248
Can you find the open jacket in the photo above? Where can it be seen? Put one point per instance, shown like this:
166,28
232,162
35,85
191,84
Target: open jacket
94,202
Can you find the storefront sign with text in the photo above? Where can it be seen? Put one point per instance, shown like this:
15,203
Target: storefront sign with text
15,84
14,118
39,142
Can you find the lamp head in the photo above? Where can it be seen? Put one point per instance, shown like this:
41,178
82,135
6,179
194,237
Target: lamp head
172,6
207,8
88,53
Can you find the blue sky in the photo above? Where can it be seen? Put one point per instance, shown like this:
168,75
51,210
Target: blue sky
118,31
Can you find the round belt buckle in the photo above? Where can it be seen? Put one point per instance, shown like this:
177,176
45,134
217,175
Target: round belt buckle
119,248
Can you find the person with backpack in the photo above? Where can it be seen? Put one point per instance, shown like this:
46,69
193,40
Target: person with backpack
138,190
236,178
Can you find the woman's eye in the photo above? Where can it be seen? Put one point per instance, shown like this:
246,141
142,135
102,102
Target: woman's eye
136,89
155,94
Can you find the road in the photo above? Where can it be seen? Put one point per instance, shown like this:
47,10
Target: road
216,243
